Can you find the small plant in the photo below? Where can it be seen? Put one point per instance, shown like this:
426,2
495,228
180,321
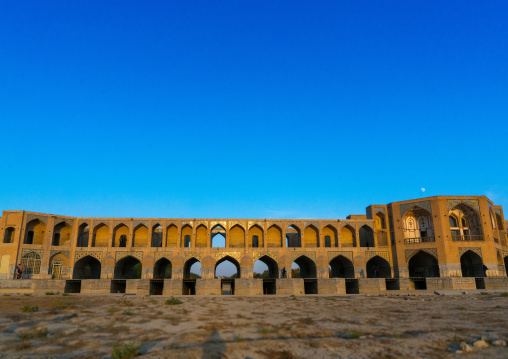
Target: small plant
58,305
127,312
264,331
51,293
113,310
29,309
353,334
65,294
126,351
292,296
153,301
125,303
461,308
27,295
42,333
238,338
484,293
173,301
504,294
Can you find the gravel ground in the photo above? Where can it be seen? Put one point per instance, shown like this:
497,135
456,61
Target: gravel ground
353,326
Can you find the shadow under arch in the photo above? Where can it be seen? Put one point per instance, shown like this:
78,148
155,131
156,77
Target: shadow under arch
163,269
87,267
231,260
471,264
423,264
128,268
341,267
307,267
273,267
378,267
187,267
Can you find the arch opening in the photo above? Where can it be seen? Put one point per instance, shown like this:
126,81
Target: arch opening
35,230
341,267
465,223
140,237
163,269
100,236
311,236
87,268
83,235
9,235
192,269
423,264
236,237
293,237
120,234
274,237
417,225
128,268
172,236
347,236
379,220
156,236
303,267
378,267
227,267
266,267
61,234
256,236
186,236
31,263
471,264
330,235
201,236
366,237
218,237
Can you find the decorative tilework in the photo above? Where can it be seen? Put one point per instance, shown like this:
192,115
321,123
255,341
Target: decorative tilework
137,223
276,223
187,223
86,221
39,252
97,223
346,223
235,255
505,254
423,204
347,254
172,223
204,223
221,223
253,223
258,254
379,209
55,252
372,254
117,223
296,254
80,254
69,222
295,225
328,223
306,224
231,224
190,254
158,255
476,250
412,252
123,254
470,202
366,223
31,217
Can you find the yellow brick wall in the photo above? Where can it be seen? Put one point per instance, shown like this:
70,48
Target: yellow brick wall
236,237
140,237
201,236
102,236
327,231
273,237
172,236
256,231
310,236
346,237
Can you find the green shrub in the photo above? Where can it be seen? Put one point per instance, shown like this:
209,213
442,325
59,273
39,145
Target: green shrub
126,351
29,309
504,294
51,293
173,301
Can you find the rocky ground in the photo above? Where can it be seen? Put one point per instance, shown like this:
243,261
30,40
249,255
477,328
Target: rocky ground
420,325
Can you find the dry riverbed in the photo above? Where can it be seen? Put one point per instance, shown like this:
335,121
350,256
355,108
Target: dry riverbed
384,326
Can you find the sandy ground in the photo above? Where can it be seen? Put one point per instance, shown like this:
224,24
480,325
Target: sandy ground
353,326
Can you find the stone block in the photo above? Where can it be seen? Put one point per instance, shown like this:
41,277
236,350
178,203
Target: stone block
450,283
331,286
406,284
248,286
143,287
131,286
496,282
48,285
172,287
290,286
208,287
16,286
371,285
96,286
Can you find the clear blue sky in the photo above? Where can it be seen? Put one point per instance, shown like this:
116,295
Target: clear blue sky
257,109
